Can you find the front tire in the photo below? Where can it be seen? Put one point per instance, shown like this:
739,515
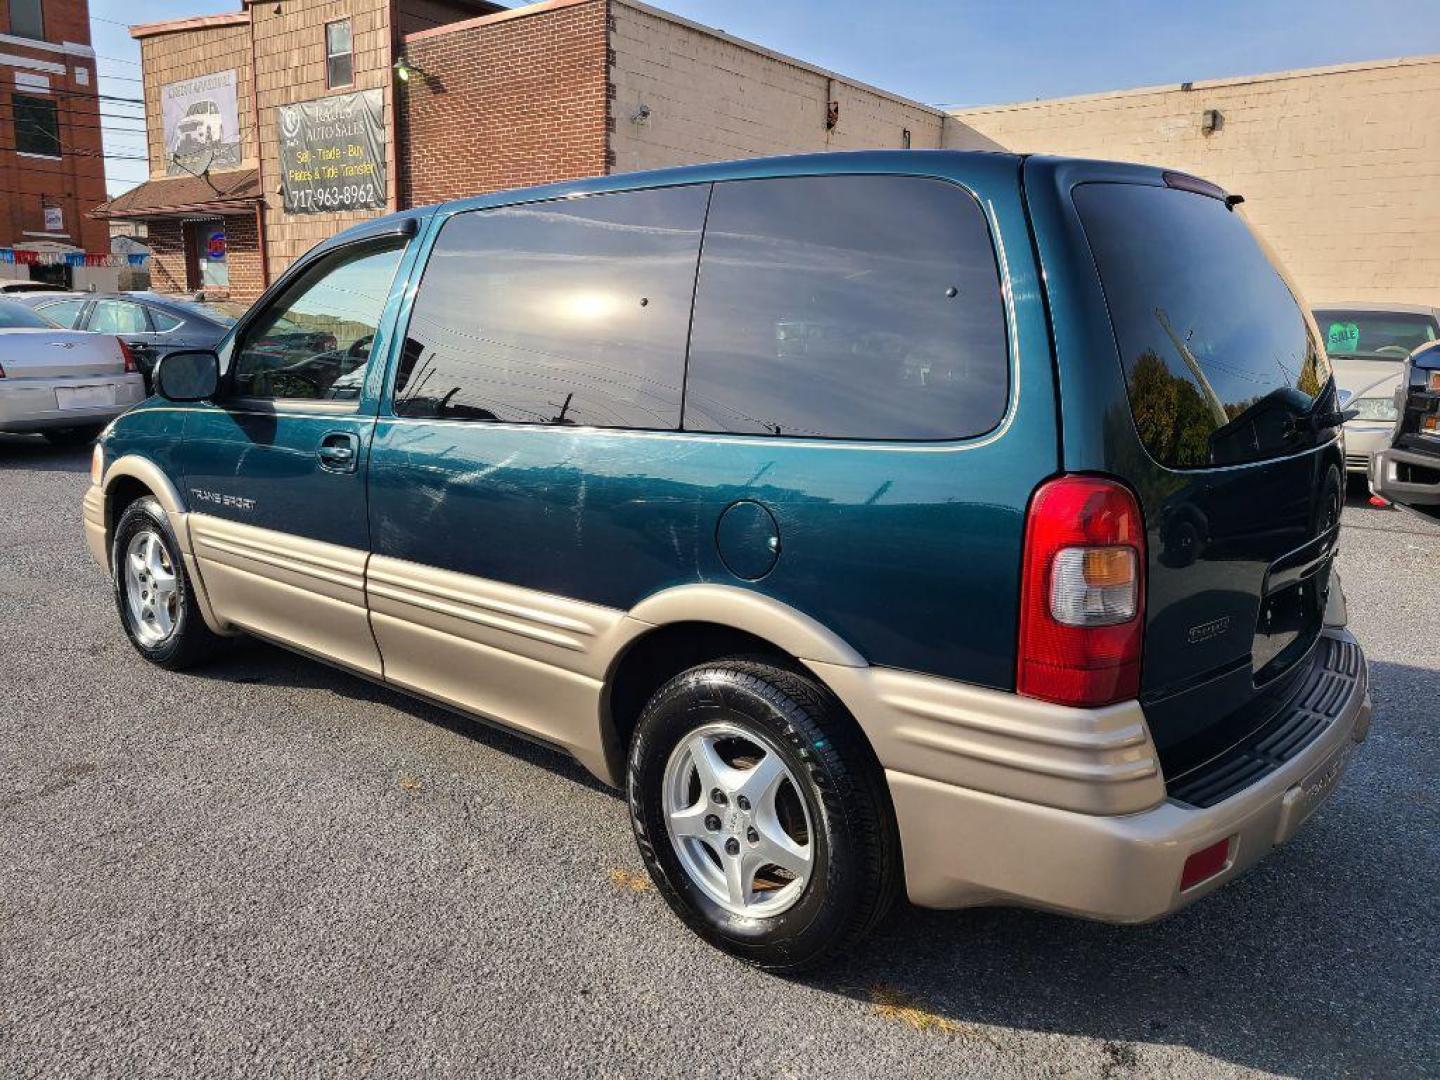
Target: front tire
153,592
761,813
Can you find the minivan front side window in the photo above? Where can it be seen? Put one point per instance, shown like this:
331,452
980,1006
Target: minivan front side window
314,341
847,307
571,312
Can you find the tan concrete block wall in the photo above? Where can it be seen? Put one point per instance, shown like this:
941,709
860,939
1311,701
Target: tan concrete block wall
1340,168
713,97
188,54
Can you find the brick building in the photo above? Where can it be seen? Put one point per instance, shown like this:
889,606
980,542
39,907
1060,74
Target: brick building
214,207
1340,166
51,165
473,97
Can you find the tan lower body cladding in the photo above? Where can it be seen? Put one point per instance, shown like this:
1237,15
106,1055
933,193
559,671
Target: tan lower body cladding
999,799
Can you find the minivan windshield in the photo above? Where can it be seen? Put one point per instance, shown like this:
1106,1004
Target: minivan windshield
1220,360
1375,335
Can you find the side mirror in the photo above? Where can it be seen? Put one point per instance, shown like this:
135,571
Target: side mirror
191,375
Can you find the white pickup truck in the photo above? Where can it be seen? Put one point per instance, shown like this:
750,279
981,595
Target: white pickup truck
64,384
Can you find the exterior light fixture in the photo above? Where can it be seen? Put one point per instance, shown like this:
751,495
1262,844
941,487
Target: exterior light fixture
641,115
1211,121
404,69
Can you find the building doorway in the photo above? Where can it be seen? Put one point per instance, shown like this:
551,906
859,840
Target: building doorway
206,267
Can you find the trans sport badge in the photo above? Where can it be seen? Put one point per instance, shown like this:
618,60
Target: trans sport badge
1207,630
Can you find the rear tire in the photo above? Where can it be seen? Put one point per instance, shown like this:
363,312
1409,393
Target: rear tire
73,436
153,593
827,816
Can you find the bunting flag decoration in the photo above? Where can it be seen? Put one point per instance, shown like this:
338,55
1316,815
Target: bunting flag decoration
26,257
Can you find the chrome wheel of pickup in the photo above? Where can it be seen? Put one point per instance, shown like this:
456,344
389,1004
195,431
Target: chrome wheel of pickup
737,821
151,588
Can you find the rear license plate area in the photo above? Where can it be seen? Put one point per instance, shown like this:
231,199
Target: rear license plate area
1305,798
84,397
1291,614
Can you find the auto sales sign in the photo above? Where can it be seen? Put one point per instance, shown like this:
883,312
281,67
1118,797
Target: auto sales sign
332,153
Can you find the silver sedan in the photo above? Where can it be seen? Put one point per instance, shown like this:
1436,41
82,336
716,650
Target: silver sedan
64,384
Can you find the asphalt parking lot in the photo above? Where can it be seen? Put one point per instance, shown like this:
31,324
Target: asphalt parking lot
269,868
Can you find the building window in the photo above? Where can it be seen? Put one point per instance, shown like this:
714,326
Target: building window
339,56
37,128
26,19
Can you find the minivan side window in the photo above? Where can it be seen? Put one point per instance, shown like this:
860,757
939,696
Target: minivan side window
566,312
847,307
314,340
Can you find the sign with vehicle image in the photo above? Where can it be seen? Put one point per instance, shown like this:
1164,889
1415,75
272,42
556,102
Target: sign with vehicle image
200,123
332,153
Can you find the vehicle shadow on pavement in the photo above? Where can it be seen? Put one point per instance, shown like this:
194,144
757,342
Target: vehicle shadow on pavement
1314,962
254,661
33,452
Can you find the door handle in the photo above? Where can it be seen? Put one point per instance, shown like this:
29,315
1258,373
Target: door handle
339,451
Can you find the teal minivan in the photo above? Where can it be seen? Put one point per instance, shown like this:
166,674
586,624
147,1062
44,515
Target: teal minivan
957,523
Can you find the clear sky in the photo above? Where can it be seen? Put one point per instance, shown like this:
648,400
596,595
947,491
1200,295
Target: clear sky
962,52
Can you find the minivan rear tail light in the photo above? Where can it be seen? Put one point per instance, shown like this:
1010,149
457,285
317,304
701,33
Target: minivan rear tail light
130,366
1082,602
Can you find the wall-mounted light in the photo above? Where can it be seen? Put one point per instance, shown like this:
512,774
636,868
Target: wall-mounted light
641,115
1211,121
404,69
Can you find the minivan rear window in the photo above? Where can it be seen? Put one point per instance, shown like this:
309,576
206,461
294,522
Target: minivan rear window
1219,357
847,307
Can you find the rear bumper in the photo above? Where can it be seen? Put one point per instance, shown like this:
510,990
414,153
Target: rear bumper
28,405
965,847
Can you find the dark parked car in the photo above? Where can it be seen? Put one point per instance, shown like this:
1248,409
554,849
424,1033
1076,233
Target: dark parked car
874,521
152,325
1408,473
